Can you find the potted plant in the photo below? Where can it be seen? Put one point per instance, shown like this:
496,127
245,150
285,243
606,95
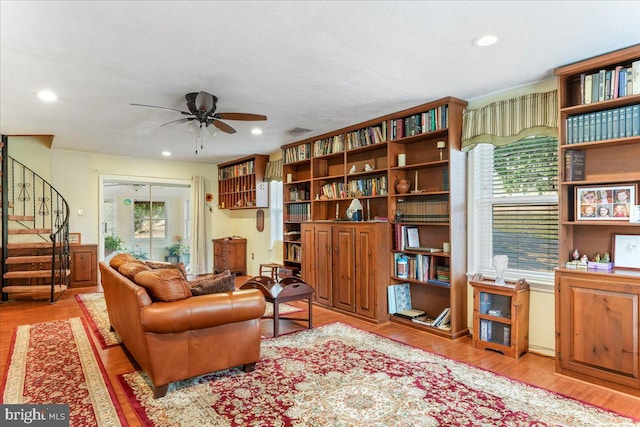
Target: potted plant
112,243
173,252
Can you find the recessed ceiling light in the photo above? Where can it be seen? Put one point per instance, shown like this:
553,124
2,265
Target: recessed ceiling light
47,95
166,153
256,131
487,40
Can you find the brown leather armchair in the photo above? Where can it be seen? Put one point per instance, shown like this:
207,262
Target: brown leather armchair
176,340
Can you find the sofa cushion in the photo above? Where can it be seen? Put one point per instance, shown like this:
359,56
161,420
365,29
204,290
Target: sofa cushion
166,284
120,259
130,269
213,283
159,265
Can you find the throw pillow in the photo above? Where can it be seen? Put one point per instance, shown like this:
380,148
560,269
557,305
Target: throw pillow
120,259
213,283
166,284
177,266
130,269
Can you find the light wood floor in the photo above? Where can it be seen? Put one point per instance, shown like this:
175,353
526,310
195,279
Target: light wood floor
530,368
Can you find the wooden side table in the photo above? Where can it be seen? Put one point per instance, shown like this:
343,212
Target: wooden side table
290,289
501,316
230,253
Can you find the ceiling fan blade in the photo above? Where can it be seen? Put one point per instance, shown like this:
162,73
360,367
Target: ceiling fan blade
162,108
174,122
223,126
240,116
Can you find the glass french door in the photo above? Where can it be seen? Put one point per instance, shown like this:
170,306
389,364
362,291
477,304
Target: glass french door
151,221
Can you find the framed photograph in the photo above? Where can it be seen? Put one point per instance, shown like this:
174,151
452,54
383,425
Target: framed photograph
605,203
413,238
74,238
626,251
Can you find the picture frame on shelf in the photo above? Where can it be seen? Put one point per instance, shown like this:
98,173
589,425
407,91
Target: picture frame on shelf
626,251
75,238
413,237
605,203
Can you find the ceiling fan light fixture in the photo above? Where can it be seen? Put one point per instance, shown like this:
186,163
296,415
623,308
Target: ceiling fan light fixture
195,128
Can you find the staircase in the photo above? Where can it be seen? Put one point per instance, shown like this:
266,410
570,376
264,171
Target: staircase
35,234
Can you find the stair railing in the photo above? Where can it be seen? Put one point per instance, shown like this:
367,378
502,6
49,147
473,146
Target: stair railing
32,196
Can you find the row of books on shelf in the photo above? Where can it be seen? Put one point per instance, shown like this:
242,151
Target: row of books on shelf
235,171
610,84
367,136
412,266
422,210
368,187
616,123
333,144
294,252
334,190
297,153
416,124
495,332
299,212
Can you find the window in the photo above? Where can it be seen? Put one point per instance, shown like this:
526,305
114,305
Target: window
275,209
149,220
514,208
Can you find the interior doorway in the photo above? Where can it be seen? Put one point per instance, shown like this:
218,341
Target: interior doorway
150,219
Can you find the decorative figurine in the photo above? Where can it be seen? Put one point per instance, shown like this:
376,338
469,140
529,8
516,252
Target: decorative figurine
606,257
575,255
353,169
584,259
367,168
596,257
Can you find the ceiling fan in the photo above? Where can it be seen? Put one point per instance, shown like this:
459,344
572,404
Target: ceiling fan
202,112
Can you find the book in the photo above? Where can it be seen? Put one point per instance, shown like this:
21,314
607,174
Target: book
402,294
588,81
410,314
391,300
574,164
635,79
441,317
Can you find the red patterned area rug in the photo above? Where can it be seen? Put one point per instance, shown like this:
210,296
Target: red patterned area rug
342,376
56,362
95,308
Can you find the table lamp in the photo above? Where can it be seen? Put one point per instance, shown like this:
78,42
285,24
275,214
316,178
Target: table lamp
441,145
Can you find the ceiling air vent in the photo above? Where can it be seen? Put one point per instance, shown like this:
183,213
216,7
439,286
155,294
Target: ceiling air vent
295,132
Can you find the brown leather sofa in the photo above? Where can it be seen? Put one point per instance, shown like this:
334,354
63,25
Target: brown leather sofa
176,340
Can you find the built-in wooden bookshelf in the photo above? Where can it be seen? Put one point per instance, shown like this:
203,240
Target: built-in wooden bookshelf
601,343
241,183
361,161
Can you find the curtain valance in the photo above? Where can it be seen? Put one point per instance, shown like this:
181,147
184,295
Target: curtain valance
274,171
511,120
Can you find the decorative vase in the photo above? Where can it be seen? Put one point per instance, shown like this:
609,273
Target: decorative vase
402,186
500,262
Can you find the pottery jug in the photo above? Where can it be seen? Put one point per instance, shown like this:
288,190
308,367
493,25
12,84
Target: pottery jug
402,186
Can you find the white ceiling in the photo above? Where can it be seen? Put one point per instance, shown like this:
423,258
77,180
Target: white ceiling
315,65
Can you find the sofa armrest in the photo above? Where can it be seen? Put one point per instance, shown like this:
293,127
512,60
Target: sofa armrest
204,311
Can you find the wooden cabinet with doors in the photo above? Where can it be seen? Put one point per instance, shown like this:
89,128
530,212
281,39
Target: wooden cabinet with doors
84,265
230,253
598,326
597,323
346,263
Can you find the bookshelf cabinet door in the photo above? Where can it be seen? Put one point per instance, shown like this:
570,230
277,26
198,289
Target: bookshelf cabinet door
597,326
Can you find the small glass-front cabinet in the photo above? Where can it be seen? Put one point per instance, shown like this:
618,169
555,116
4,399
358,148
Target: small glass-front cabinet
501,316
